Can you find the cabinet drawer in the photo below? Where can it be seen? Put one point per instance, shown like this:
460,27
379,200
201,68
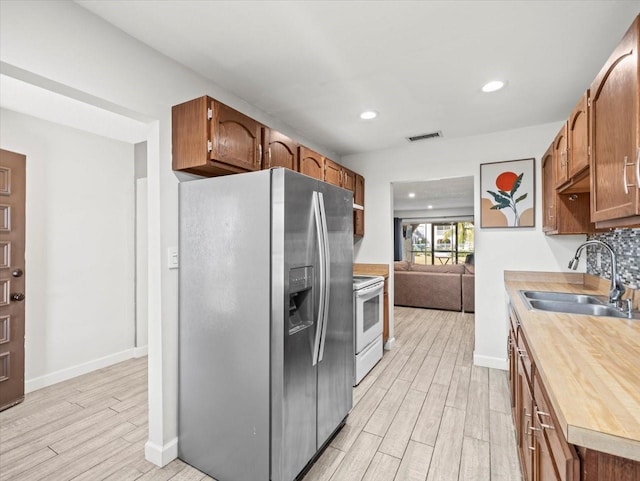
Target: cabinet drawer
564,456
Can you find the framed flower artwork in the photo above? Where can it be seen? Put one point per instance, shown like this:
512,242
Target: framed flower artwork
508,194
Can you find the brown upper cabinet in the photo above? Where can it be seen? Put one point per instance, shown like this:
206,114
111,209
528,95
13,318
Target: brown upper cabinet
562,213
281,151
560,152
332,172
348,180
614,137
311,163
210,138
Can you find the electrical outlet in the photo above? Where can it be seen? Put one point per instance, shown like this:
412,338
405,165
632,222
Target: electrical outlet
599,260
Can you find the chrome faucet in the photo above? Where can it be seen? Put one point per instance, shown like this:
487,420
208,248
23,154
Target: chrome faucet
617,288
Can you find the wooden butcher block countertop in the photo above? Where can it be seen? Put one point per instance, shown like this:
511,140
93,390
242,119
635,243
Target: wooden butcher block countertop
590,366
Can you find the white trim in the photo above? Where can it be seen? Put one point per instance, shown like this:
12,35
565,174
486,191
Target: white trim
389,344
492,362
75,371
161,455
141,351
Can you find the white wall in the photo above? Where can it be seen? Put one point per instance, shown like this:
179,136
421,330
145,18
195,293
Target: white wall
496,249
79,247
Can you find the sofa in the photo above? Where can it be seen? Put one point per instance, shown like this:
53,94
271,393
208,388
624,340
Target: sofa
447,287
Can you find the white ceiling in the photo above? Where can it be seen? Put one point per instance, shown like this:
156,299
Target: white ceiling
315,65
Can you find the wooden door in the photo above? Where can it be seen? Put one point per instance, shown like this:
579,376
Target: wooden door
332,172
548,192
281,151
560,156
614,138
578,134
311,163
12,235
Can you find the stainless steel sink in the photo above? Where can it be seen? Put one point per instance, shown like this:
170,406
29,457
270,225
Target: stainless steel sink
563,296
572,304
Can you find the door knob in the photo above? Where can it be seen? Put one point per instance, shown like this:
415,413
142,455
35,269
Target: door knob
17,296
17,272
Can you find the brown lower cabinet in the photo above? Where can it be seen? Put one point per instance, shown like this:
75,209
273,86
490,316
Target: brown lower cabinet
545,454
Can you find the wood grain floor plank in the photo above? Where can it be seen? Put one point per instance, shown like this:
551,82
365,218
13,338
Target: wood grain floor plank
477,421
424,377
499,399
382,468
412,366
445,368
390,374
445,462
357,460
427,425
475,464
415,462
12,470
381,419
361,389
358,418
459,387
397,437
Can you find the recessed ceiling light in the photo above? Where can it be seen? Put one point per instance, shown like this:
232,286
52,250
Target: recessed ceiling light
493,86
412,195
429,207
368,115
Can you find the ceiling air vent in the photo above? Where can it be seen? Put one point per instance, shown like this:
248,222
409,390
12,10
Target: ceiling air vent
431,135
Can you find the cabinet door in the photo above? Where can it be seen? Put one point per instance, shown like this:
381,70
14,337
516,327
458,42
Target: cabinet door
548,192
560,156
332,172
358,213
348,179
578,133
615,147
281,151
237,139
311,163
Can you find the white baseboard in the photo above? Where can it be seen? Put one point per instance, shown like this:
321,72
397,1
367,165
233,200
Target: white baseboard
140,351
75,371
161,455
492,362
389,344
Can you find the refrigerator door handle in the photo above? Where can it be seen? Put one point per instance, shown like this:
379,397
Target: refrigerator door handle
321,266
327,274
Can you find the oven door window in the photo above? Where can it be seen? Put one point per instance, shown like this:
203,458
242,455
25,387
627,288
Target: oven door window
368,316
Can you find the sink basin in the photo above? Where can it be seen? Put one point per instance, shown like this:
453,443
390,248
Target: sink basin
571,304
563,296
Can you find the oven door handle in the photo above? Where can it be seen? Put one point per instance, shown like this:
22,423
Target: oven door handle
321,268
367,290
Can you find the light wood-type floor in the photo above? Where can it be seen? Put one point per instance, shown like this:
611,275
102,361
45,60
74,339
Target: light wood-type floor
424,413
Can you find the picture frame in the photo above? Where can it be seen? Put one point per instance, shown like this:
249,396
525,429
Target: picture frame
508,194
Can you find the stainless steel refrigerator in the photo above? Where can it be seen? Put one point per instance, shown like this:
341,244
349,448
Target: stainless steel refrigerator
266,322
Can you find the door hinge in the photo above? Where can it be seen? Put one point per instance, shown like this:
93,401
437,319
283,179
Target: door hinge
209,146
589,102
209,114
589,151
